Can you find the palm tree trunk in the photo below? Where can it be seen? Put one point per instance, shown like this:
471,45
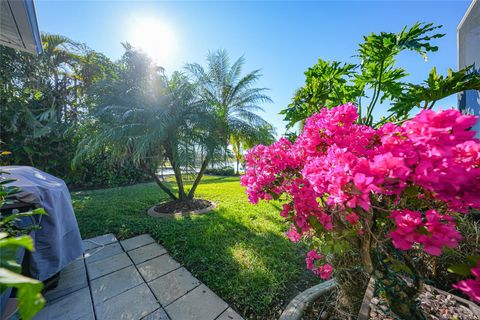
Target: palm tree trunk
225,156
178,174
238,164
162,186
191,193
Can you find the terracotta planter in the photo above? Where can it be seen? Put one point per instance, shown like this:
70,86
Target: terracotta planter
364,313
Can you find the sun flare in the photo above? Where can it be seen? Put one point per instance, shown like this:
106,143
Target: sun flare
155,37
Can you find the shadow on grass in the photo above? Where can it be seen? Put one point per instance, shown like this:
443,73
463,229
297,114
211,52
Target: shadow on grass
250,270
237,250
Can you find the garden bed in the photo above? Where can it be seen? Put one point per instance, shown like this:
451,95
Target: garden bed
172,209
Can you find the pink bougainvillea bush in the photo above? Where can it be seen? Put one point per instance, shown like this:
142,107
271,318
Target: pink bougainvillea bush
344,184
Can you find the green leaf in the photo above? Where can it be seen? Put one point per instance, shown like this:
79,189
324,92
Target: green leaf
473,261
30,300
460,269
435,88
38,211
22,241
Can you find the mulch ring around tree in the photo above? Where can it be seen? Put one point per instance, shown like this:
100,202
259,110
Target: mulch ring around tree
172,209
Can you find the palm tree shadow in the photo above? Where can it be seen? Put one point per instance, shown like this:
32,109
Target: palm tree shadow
260,264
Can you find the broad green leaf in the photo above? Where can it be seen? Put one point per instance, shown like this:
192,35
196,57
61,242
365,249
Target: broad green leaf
460,269
22,241
30,300
38,211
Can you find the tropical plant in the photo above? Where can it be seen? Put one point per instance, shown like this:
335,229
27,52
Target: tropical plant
51,99
386,198
148,118
232,96
376,80
30,300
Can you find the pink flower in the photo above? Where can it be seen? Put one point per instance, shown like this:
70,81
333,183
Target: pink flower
286,210
336,167
407,223
312,255
352,218
437,232
471,287
441,233
324,271
293,234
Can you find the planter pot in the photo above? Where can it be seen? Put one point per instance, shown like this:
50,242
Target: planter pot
364,313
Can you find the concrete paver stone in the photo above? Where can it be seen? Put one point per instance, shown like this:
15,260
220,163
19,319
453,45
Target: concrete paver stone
229,314
114,283
103,267
136,242
99,241
72,278
147,252
77,305
157,267
173,285
129,305
199,304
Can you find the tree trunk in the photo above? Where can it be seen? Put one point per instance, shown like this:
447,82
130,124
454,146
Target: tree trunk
365,254
238,164
162,186
191,193
225,156
178,174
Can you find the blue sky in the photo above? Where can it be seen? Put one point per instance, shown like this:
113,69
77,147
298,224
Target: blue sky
282,39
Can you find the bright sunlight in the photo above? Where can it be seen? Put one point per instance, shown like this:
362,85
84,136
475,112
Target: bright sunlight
154,37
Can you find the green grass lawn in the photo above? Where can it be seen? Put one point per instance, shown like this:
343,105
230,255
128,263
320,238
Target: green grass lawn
239,250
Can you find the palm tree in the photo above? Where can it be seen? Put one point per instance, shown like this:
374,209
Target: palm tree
265,135
233,96
148,118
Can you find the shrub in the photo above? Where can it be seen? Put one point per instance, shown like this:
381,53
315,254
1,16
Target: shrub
386,193
225,171
100,171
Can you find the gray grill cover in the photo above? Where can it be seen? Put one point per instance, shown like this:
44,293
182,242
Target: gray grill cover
58,242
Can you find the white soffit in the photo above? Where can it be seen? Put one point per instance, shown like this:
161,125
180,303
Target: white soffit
18,25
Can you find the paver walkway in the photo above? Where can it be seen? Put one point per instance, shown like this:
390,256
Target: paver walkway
131,279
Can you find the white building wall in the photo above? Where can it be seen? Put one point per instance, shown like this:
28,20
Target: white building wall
468,45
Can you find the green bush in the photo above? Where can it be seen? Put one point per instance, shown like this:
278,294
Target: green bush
225,171
101,172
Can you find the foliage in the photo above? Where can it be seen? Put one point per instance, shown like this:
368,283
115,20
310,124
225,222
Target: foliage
224,171
238,250
48,99
11,239
381,192
148,118
233,98
102,171
376,80
59,97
